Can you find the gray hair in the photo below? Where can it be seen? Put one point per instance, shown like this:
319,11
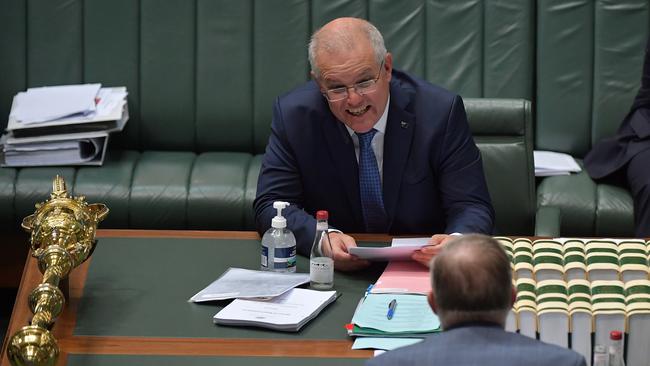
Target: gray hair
344,39
472,281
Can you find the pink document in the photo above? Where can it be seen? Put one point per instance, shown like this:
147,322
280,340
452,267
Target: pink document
403,277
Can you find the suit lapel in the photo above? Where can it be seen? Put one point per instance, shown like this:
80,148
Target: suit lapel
400,129
341,150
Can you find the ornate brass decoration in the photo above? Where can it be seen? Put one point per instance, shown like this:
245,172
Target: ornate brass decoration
62,237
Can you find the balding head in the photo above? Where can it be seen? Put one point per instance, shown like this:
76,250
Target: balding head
344,34
471,281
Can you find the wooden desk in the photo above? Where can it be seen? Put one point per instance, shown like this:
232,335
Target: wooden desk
80,331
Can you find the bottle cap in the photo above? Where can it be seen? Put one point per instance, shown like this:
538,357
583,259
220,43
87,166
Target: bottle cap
615,335
279,222
321,215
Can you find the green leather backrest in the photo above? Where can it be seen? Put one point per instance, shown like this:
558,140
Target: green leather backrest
589,59
202,74
502,129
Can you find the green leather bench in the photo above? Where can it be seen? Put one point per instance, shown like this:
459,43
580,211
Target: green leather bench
202,76
589,59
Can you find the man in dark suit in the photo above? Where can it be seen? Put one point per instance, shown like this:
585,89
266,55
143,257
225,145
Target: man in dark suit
380,150
472,294
629,152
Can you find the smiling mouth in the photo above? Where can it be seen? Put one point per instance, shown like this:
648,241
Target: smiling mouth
358,111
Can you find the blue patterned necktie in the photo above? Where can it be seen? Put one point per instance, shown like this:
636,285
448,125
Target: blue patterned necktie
372,202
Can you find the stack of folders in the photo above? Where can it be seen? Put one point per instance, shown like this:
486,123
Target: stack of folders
570,291
63,125
394,311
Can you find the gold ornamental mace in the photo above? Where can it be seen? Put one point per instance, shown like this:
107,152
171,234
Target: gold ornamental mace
62,237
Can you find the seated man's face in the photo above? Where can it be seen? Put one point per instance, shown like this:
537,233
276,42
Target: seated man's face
344,69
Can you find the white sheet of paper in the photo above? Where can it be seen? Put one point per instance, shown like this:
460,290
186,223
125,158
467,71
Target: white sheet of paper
53,102
246,283
400,249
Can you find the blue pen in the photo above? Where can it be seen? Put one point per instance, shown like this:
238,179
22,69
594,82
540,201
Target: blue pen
391,309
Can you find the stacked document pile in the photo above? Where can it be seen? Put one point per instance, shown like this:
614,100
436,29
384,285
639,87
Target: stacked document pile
395,311
549,163
63,125
573,291
265,299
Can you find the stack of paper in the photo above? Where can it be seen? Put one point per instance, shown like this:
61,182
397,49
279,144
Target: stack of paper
549,163
395,311
63,125
287,312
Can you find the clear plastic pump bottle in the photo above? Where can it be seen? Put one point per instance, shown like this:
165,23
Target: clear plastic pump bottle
279,244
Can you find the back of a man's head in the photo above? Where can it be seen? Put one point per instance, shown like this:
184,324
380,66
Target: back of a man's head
472,281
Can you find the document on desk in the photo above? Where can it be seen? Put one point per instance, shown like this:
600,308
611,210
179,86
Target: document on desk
412,314
383,343
406,277
246,283
400,249
287,312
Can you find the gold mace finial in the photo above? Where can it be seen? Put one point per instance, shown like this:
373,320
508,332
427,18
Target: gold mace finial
62,237
59,189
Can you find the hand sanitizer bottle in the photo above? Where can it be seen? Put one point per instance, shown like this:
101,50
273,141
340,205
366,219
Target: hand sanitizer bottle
279,244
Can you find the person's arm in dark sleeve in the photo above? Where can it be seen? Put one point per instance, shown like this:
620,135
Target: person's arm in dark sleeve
463,189
279,180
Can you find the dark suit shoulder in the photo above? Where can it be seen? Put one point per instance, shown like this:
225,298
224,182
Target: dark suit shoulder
476,345
421,88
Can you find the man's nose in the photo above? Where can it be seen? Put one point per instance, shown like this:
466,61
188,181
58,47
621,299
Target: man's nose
354,97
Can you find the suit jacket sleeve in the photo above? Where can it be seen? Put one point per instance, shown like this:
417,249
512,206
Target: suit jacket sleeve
463,189
279,180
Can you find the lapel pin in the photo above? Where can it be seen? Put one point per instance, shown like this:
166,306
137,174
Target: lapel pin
404,124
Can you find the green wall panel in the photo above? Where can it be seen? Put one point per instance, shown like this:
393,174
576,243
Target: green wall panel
564,75
224,82
509,49
621,30
112,57
54,42
401,24
167,57
323,11
12,54
454,54
280,59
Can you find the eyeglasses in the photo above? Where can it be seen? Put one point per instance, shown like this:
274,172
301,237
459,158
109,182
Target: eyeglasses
362,88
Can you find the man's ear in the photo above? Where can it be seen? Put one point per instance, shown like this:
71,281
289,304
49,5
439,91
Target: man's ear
388,65
432,301
513,295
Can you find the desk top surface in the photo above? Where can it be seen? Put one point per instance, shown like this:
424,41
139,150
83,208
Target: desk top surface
128,303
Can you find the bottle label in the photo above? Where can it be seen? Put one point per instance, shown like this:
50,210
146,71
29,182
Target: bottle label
265,257
285,258
321,270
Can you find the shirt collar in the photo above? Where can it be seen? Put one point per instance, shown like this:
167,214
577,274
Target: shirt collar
380,125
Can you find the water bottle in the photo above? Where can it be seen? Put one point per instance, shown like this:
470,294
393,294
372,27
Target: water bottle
601,358
321,265
279,244
616,348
